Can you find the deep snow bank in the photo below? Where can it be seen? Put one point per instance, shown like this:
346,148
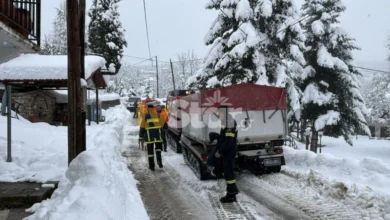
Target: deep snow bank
362,184
97,184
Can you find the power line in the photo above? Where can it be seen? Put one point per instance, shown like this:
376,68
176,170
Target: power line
141,58
160,61
142,62
374,70
147,30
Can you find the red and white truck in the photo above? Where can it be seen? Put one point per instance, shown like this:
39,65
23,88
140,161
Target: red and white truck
260,112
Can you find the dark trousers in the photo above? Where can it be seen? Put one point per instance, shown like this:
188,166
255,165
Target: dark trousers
164,139
228,161
151,153
135,114
228,170
215,162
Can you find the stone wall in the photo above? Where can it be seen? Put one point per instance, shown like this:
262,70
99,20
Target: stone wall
36,106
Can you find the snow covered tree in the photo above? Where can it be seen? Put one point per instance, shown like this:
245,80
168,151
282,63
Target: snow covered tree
105,32
377,96
56,43
282,45
331,96
233,56
257,42
148,91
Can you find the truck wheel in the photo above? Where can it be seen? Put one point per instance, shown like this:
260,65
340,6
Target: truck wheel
178,147
185,153
277,169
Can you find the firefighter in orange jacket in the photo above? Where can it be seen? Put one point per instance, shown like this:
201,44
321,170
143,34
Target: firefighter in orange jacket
151,133
161,112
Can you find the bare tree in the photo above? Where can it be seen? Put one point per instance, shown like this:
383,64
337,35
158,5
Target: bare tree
193,63
188,63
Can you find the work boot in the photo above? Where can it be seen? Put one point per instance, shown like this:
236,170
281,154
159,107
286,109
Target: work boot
232,189
160,164
228,198
151,163
165,148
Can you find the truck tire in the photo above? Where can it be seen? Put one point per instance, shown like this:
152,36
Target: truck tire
194,164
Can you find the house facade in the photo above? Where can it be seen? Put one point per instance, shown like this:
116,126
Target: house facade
20,28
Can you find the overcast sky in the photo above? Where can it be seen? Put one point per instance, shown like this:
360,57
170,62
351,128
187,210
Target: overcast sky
179,25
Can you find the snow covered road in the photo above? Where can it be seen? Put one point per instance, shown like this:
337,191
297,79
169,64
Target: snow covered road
174,192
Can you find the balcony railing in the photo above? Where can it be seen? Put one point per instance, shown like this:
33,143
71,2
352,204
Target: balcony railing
24,16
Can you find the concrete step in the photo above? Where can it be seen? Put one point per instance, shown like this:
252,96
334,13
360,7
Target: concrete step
24,194
13,214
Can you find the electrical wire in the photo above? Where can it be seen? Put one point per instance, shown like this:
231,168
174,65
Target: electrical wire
141,62
147,30
373,70
136,57
161,61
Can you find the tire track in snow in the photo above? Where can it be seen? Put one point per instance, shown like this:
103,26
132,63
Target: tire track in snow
176,175
210,192
284,191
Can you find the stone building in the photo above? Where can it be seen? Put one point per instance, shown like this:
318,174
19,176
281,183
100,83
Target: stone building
36,106
35,80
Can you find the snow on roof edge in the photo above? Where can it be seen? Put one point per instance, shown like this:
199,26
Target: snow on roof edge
47,67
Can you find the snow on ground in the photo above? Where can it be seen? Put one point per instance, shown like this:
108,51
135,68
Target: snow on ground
39,151
360,173
97,184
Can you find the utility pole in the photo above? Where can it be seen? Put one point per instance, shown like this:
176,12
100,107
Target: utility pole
173,76
76,113
82,75
9,127
97,106
157,77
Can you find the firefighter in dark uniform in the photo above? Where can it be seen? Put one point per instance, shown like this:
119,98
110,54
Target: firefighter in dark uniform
226,151
151,133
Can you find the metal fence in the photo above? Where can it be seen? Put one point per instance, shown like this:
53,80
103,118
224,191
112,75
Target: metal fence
24,16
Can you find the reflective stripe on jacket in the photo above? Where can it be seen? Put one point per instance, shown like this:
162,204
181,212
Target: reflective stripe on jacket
150,127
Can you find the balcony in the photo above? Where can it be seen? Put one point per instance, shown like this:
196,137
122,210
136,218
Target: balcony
24,17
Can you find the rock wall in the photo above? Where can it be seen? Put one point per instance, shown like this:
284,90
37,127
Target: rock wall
36,106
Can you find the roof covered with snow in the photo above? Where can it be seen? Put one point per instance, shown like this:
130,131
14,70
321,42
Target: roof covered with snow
40,67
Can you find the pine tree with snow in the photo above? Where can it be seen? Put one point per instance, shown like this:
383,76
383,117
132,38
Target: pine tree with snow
56,43
331,97
283,44
377,96
233,56
148,91
254,41
105,32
